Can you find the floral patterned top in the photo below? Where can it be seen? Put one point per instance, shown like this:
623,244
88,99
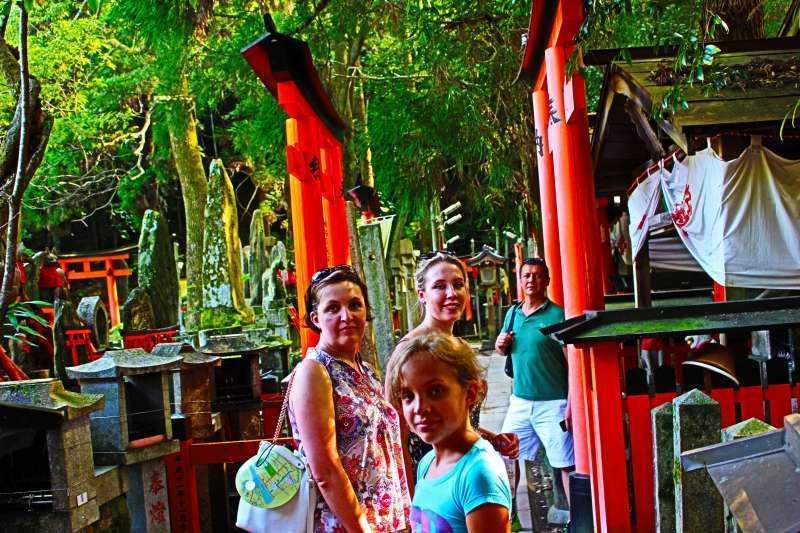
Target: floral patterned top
368,441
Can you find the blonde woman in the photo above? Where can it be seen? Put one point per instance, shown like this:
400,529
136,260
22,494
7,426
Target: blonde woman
441,283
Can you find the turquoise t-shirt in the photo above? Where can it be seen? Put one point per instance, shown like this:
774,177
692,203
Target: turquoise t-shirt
540,368
441,505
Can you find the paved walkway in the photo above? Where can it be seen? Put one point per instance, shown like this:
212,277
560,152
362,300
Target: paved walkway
534,494
492,415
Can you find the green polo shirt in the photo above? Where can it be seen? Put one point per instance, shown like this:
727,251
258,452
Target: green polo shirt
540,368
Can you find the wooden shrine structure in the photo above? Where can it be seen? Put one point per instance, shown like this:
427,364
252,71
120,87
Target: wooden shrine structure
577,177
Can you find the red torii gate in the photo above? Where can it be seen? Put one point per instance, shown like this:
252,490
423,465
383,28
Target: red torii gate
572,245
109,265
314,133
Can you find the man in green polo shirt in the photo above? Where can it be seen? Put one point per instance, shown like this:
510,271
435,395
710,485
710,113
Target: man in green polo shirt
538,410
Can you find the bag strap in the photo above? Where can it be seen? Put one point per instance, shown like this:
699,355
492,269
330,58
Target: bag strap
514,308
284,406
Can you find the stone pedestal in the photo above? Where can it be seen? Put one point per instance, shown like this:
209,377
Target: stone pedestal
698,504
148,500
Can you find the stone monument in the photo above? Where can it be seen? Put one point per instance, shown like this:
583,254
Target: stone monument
157,270
223,289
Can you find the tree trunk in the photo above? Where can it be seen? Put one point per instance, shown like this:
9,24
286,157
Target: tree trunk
15,201
745,18
22,149
194,186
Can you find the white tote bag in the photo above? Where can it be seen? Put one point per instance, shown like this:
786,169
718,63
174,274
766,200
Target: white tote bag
295,515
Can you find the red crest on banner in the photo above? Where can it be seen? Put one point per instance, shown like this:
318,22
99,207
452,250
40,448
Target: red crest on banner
683,211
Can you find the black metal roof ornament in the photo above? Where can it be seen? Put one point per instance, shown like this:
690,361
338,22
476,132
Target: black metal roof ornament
276,57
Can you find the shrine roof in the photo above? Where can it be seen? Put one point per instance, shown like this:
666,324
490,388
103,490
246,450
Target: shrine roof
117,363
762,87
543,16
487,254
47,396
190,357
239,343
276,57
627,324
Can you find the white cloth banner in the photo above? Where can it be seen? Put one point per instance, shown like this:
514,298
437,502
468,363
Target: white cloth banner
761,221
642,204
739,220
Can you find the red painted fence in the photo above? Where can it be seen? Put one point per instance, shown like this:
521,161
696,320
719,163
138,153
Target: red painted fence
769,404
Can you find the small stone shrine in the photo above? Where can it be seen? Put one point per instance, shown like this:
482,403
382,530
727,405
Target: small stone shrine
134,428
46,467
238,383
193,386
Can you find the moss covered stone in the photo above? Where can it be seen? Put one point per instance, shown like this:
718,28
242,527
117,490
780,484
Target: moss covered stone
157,270
257,257
695,423
137,312
663,465
223,288
745,428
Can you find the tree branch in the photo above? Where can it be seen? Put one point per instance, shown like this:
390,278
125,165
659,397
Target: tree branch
319,8
4,16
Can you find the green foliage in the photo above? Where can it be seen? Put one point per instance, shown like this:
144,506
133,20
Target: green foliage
687,24
426,88
18,319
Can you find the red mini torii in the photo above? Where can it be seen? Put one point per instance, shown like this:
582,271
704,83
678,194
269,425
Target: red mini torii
313,156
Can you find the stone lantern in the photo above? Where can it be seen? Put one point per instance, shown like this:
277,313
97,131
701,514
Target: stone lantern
238,383
134,428
193,389
489,262
46,468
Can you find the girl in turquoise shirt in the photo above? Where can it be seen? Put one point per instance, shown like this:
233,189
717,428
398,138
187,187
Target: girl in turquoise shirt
461,484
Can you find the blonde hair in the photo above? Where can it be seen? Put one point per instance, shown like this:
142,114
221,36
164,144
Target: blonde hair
439,257
452,351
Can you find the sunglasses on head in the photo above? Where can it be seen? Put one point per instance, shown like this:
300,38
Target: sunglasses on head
324,273
432,254
534,261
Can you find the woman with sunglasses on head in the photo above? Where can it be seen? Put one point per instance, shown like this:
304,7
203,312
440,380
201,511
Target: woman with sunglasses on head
441,282
347,431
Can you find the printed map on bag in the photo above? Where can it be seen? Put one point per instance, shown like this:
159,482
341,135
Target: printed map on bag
272,481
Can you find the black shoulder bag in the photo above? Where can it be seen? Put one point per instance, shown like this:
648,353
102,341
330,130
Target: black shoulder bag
509,368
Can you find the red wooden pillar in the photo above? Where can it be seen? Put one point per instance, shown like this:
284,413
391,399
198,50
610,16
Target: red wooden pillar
577,124
583,290
570,244
605,400
547,193
304,165
333,201
184,511
111,287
